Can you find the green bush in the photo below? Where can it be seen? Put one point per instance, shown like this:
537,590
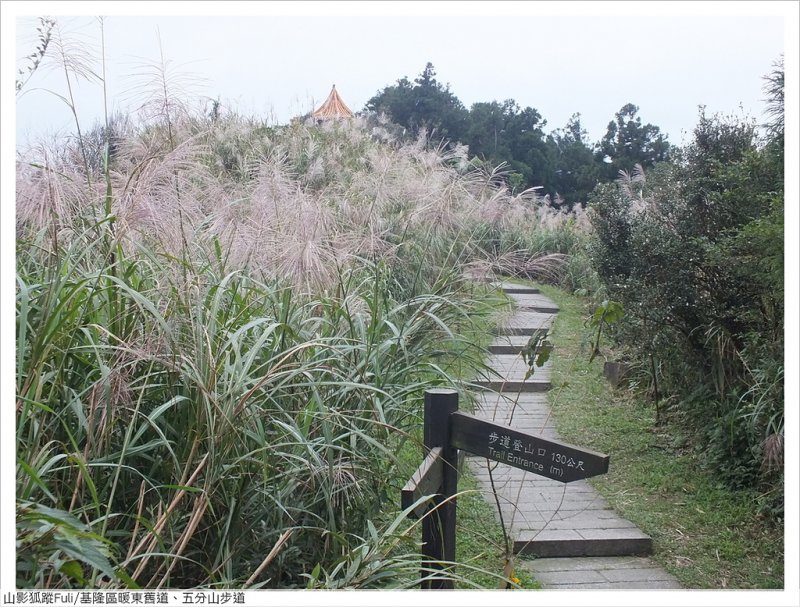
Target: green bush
694,252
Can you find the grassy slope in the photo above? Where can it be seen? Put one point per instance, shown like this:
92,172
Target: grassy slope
704,534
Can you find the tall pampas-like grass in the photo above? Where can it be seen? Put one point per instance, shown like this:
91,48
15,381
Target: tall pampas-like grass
224,332
47,195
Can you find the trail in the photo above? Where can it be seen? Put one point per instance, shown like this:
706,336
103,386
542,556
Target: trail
578,540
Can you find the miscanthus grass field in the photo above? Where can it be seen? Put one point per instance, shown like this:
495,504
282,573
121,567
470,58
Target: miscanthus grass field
224,332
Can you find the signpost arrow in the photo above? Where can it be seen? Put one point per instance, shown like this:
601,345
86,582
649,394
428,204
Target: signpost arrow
551,458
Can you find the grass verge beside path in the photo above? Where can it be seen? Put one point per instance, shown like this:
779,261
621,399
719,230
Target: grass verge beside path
704,534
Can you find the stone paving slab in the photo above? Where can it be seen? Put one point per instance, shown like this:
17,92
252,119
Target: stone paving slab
533,301
594,573
509,344
548,543
605,563
516,402
589,514
510,287
584,523
525,323
616,586
505,385
529,319
514,368
548,507
553,509
504,362
510,375
528,410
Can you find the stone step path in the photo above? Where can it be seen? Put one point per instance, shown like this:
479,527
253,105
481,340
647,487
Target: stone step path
577,538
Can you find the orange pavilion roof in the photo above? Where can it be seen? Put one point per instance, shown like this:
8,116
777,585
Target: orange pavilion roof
333,107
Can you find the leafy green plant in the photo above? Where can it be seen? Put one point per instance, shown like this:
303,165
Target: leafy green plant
536,352
606,315
52,543
224,332
706,533
179,395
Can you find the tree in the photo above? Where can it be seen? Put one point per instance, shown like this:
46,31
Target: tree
628,142
695,255
426,103
505,133
773,87
719,143
486,130
576,172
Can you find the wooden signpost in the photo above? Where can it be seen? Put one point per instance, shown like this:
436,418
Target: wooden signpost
446,430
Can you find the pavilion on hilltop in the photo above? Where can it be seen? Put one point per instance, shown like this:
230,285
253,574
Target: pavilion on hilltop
333,108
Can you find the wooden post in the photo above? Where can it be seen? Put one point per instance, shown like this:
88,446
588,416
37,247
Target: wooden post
439,526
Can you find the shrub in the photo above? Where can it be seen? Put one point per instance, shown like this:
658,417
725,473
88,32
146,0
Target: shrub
694,252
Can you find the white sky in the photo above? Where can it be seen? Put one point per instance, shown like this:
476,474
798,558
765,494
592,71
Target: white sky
558,58
277,60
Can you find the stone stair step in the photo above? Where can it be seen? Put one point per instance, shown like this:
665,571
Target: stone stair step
525,323
545,517
512,362
510,287
518,402
517,331
514,385
610,572
541,308
583,542
513,344
518,374
534,302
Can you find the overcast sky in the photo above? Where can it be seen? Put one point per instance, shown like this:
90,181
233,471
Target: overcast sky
559,58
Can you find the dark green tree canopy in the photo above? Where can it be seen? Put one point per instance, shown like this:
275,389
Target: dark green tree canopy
425,103
504,132
576,172
563,164
628,142
774,88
